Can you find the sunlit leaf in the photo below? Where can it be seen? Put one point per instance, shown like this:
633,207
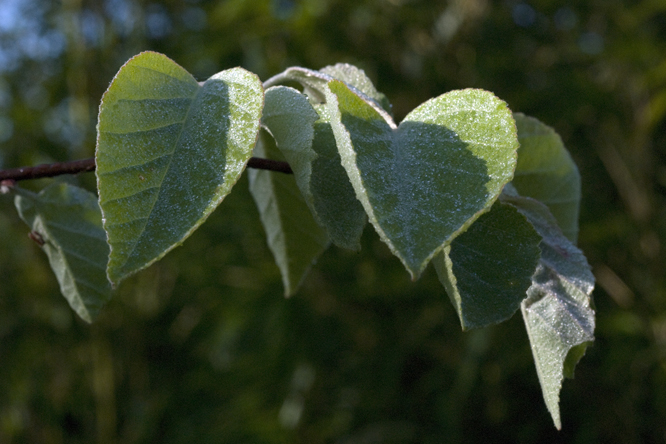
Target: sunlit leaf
67,220
487,270
315,83
169,150
546,172
310,150
558,311
425,182
294,237
357,78
290,119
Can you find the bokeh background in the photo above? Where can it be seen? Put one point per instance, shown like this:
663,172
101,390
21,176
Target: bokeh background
203,347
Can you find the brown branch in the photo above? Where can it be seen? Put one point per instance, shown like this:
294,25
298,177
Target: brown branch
86,165
48,170
269,164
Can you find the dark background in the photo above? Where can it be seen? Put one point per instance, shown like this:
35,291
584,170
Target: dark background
202,347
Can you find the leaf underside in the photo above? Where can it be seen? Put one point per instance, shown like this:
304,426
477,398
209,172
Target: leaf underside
328,191
168,152
335,203
69,221
558,312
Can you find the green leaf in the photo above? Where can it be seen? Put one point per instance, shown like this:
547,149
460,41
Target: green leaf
546,172
319,174
335,202
290,119
558,312
487,270
315,84
574,355
425,182
168,151
68,221
294,237
313,81
357,78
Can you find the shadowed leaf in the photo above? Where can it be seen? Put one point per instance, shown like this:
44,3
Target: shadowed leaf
487,270
311,151
68,221
558,312
294,237
546,172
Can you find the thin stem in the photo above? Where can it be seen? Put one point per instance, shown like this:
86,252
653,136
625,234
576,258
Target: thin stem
48,170
86,165
269,164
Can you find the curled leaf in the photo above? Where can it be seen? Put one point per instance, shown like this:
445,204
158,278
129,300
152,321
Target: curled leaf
315,84
558,312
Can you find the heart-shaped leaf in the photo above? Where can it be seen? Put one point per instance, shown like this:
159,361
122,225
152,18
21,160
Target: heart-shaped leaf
67,222
310,150
294,237
425,182
558,312
487,269
547,173
168,151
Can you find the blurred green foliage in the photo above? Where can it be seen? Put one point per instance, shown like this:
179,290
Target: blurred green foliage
202,347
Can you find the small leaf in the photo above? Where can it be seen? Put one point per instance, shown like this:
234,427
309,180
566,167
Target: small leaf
357,78
168,152
546,172
294,237
315,84
290,119
558,312
68,222
313,81
319,174
487,270
425,182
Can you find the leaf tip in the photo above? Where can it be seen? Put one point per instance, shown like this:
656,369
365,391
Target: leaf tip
115,275
558,423
86,317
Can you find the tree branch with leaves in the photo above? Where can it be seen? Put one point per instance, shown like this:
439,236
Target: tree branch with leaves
489,196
